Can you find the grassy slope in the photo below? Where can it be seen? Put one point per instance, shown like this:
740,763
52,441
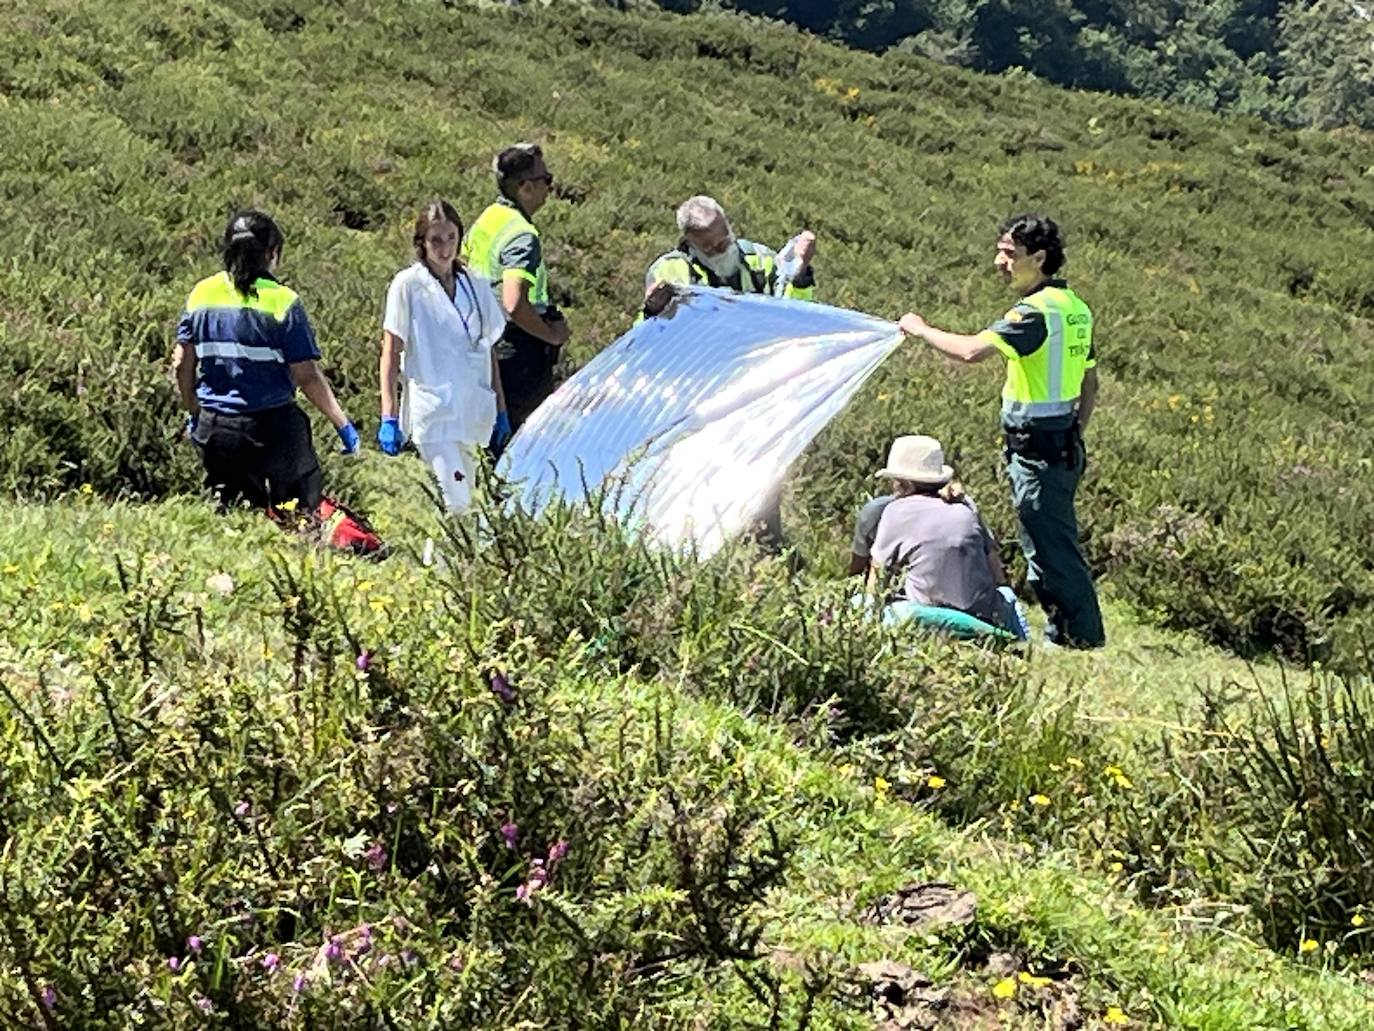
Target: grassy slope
1048,908
1218,255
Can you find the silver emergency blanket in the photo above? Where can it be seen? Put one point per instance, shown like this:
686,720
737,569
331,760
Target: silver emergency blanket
684,427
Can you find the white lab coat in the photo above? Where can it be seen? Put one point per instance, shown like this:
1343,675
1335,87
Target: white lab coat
446,388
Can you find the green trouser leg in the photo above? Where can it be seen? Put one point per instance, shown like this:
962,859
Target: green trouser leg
1056,570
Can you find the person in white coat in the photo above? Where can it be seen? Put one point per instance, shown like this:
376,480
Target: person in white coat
437,335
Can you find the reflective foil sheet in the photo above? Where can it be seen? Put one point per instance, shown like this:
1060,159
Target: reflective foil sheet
685,426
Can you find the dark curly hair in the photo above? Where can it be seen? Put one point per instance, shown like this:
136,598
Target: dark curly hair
514,164
1037,233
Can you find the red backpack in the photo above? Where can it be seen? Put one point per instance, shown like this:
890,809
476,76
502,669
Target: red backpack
344,529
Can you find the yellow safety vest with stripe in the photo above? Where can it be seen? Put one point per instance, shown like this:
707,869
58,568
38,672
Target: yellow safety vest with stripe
758,274
1046,383
493,231
245,343
219,291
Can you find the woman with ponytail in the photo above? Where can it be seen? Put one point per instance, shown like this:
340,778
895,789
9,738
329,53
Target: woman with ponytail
437,335
244,346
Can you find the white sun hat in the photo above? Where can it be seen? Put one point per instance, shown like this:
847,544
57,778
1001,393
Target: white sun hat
917,459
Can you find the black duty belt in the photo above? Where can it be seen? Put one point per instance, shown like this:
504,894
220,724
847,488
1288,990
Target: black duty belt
1058,447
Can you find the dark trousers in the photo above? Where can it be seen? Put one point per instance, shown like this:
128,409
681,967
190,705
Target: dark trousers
262,458
1042,489
526,376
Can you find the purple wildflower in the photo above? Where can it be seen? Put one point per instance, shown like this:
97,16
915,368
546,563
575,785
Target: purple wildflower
204,1005
500,687
49,997
270,962
334,950
173,964
299,982
557,852
409,958
364,940
376,856
194,944
364,660
510,833
241,809
536,879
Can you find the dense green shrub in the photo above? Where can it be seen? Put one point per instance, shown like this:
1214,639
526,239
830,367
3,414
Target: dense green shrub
379,818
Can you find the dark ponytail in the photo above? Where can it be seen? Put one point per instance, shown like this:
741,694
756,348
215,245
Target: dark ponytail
249,238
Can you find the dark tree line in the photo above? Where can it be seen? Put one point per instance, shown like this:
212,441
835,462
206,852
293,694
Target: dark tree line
1298,62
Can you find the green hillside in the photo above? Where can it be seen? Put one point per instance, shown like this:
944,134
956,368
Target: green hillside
1223,259
1168,832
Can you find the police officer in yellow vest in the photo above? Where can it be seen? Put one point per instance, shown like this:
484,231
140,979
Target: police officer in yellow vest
1047,402
504,246
709,253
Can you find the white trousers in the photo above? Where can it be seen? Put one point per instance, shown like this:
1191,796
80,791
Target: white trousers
455,467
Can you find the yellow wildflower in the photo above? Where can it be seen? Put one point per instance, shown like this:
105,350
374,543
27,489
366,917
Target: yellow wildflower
11,569
1357,920
935,782
1005,989
1115,1015
1033,980
1075,762
1174,400
1040,800
1119,777
1308,945
87,489
364,586
881,786
1115,867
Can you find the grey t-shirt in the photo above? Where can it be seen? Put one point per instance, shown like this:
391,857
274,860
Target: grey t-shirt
866,526
943,549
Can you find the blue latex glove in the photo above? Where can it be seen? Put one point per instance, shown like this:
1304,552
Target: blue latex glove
389,436
501,432
348,433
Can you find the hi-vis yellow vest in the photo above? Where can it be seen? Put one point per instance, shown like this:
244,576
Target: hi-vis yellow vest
758,273
1047,383
482,246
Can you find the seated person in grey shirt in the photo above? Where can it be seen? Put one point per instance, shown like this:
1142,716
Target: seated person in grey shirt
930,532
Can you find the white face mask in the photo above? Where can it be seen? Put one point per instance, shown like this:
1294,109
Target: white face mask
723,265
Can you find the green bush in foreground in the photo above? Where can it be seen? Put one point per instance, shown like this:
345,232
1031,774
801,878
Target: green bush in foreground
386,820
